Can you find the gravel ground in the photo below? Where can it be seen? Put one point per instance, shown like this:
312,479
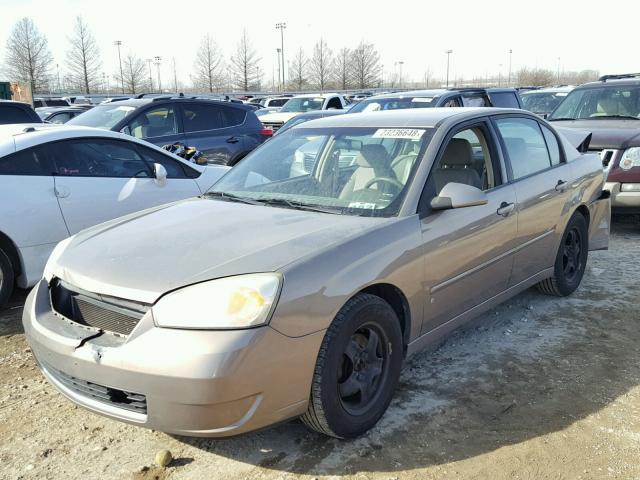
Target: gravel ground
540,388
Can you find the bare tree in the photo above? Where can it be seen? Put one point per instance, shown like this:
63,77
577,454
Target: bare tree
298,70
134,74
28,58
83,59
535,77
365,65
321,65
244,64
342,68
208,65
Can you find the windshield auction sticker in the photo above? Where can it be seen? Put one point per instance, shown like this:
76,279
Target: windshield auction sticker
408,133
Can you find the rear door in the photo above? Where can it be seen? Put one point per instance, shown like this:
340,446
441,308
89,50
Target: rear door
541,176
214,130
99,179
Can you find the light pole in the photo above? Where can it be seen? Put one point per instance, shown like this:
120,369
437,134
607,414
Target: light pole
500,75
175,75
558,70
149,60
400,76
281,26
448,52
117,43
157,61
510,55
58,72
279,76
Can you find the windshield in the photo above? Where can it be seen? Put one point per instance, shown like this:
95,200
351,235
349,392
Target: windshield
622,101
543,102
102,116
303,104
349,171
399,103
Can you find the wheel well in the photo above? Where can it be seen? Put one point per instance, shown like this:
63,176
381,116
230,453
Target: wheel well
8,247
585,213
237,158
396,299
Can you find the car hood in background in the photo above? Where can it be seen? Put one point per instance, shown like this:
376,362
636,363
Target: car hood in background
144,255
609,133
279,117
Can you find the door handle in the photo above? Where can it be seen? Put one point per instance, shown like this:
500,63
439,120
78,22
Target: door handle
561,186
505,209
233,140
61,192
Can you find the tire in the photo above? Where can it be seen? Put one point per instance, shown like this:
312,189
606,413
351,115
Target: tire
348,396
569,266
7,278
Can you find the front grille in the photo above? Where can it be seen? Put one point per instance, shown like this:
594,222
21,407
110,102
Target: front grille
134,402
106,313
275,126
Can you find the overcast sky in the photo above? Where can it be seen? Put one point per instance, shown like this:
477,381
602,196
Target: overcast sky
417,33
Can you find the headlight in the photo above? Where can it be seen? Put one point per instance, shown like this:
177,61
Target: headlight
53,258
630,158
227,303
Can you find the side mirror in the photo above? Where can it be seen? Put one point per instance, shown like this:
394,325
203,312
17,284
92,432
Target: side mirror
126,130
160,174
459,195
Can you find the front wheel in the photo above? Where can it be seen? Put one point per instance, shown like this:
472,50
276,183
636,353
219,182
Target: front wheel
571,259
357,369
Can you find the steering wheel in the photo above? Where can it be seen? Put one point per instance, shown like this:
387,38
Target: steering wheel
391,181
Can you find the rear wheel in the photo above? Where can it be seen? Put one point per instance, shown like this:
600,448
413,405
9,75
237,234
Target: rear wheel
571,259
357,369
6,278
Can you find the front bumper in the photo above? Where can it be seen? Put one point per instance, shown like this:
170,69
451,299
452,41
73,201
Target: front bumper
196,383
623,202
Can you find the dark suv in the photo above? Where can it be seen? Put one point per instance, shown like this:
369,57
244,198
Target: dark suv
17,112
225,132
460,97
610,110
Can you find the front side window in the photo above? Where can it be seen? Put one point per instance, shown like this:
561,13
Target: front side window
303,104
98,157
198,117
465,159
452,102
600,102
525,145
102,116
352,171
156,122
174,168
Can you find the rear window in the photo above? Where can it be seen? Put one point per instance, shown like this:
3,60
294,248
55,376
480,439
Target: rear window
10,114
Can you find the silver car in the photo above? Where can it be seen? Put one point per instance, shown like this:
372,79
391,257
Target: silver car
287,292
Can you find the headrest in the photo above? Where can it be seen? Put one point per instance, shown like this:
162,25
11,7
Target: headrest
457,153
373,156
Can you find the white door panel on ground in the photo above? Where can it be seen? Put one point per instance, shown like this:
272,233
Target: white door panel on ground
95,200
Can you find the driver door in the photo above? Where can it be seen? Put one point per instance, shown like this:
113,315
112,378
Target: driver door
100,179
467,251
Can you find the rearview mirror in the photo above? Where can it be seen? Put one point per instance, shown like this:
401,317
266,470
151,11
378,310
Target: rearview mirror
160,174
459,195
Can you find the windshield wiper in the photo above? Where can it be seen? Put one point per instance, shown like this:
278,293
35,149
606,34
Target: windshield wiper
560,119
281,202
627,117
232,198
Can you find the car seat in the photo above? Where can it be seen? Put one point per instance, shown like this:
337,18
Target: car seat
456,165
373,161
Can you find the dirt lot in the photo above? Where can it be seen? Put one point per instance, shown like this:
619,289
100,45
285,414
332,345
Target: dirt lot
543,388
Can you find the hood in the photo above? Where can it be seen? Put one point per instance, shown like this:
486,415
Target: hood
278,117
144,255
609,133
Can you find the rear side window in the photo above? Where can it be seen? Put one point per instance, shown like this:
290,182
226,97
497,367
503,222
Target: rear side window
525,146
32,161
233,116
475,101
504,100
10,114
198,117
552,145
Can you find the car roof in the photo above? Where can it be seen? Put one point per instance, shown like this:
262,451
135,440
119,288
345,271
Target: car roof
139,102
410,118
559,89
13,102
436,92
315,95
612,82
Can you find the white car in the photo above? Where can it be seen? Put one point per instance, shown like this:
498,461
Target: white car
58,180
301,104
